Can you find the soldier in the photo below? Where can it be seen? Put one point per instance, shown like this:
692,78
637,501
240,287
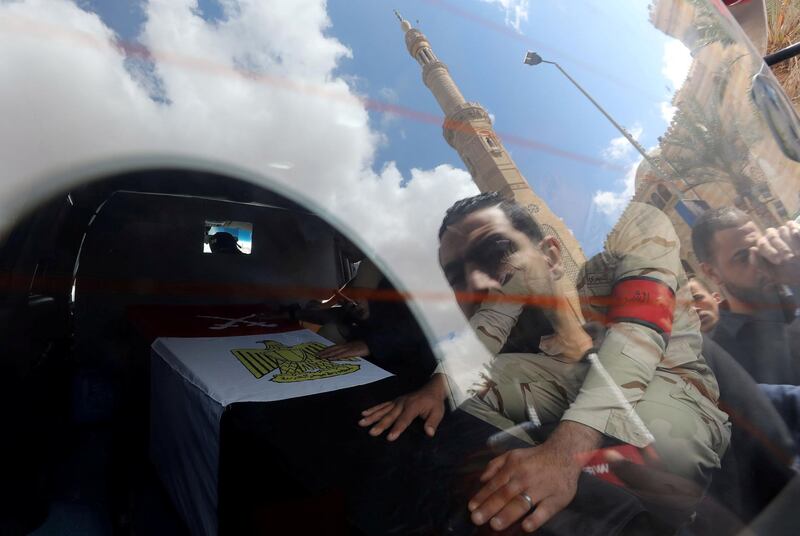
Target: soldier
647,384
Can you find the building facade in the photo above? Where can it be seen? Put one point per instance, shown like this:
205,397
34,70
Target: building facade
718,149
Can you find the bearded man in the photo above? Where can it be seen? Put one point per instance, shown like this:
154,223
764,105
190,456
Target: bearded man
759,273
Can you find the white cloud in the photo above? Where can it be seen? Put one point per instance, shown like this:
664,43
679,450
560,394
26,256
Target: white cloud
491,115
389,96
620,148
675,63
257,90
516,11
667,111
611,203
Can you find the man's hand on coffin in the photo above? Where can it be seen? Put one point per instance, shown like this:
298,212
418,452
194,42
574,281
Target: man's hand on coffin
427,403
345,350
533,483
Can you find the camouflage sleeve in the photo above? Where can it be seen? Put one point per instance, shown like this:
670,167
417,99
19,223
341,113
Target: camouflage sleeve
496,316
644,244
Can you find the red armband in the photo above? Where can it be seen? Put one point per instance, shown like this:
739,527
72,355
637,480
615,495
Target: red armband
643,300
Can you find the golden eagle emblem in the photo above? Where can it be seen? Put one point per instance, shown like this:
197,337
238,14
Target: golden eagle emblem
298,363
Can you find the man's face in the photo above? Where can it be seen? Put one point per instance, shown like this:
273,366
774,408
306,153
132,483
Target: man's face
706,304
739,269
475,252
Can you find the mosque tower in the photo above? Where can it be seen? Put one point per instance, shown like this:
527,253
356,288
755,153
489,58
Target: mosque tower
468,129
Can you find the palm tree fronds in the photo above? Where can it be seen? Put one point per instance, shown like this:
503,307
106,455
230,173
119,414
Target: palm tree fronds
783,19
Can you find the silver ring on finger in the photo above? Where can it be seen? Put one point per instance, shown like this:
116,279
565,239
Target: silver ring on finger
527,499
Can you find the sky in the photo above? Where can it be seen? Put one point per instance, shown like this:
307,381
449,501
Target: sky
323,98
633,75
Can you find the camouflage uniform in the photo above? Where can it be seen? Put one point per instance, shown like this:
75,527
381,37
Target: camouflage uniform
664,379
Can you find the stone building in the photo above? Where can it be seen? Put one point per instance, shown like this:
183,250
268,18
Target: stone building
718,150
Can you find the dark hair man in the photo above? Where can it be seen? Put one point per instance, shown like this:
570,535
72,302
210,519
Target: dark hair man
754,270
646,385
705,303
224,242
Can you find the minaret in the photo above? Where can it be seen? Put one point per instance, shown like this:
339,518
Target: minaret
468,129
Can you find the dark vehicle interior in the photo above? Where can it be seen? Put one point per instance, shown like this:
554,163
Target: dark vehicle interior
94,275
89,279
225,308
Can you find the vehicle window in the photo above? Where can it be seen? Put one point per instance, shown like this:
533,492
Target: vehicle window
462,263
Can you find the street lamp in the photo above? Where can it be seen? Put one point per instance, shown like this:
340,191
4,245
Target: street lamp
532,58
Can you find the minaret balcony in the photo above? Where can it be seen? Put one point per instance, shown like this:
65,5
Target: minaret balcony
470,111
469,119
415,38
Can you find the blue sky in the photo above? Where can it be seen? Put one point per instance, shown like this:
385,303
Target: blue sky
608,46
485,58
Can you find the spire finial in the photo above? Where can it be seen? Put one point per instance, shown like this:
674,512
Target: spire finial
404,24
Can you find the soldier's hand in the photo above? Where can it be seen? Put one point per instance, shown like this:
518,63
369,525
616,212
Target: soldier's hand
540,472
427,403
543,479
780,248
345,350
527,277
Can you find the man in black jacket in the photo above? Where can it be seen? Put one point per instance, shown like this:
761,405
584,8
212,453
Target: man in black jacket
757,272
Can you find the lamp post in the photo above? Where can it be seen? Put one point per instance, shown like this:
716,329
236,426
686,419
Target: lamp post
532,58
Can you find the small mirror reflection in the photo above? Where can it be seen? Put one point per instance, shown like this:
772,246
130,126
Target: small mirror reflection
230,237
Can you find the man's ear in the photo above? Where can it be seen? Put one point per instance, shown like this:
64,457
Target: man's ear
552,252
717,297
710,272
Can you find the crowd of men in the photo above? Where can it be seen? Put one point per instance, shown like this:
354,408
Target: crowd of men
663,404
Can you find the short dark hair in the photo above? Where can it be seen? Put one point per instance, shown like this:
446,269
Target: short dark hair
711,222
520,218
702,282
